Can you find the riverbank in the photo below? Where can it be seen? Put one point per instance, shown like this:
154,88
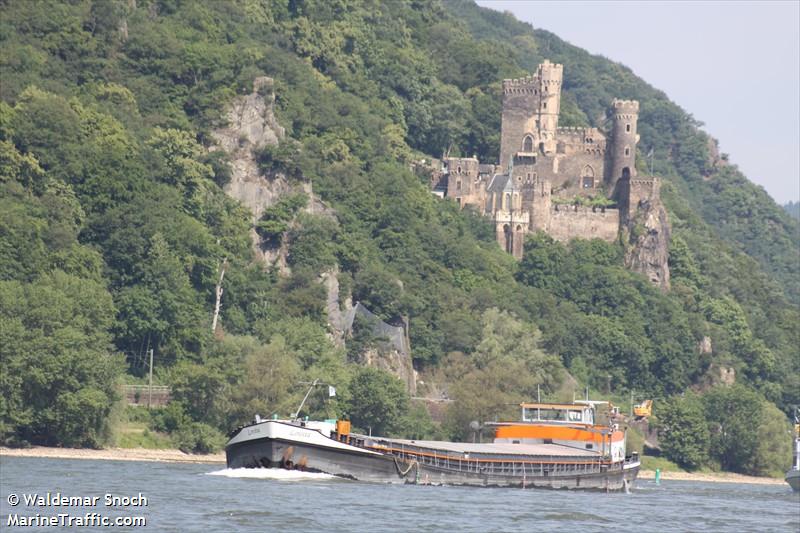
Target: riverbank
177,456
114,454
715,477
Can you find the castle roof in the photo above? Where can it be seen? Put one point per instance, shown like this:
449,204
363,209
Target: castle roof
501,183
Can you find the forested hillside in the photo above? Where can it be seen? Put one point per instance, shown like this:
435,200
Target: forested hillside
114,225
793,208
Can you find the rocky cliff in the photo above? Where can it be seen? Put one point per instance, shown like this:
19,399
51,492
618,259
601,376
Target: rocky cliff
251,125
648,233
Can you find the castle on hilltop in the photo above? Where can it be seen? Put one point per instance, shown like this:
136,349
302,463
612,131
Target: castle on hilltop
567,182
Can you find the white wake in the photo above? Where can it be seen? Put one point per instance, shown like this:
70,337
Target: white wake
270,473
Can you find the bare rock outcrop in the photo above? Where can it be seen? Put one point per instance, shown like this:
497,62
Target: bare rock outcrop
650,232
252,125
337,314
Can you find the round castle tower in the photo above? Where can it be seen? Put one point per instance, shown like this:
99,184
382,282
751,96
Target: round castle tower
623,140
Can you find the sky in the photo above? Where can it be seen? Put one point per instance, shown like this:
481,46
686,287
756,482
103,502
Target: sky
734,65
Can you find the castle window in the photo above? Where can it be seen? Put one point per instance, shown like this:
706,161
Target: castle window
529,176
509,238
508,201
627,128
458,170
627,151
587,182
544,105
458,185
527,144
626,173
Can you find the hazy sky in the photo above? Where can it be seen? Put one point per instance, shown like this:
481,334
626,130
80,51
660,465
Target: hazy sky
734,65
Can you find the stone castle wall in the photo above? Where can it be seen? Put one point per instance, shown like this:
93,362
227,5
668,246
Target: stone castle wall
572,170
633,193
530,108
569,222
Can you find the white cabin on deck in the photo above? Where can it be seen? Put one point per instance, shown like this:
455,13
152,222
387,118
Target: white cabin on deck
567,424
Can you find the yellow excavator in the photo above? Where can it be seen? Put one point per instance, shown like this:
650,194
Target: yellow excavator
643,410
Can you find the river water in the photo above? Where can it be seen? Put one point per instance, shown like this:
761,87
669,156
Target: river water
207,498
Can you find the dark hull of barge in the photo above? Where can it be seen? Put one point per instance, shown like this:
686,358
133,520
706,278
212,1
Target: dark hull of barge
396,461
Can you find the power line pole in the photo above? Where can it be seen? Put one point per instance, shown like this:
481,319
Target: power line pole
150,388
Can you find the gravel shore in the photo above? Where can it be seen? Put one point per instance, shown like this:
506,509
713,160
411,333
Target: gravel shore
716,477
114,454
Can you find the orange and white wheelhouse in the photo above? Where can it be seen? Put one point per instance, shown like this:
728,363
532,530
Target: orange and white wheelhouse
568,424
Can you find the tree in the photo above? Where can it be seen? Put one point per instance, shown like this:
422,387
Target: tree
773,455
377,401
683,430
268,384
59,377
734,415
505,369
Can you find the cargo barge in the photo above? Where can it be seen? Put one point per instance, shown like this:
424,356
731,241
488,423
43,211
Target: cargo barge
556,446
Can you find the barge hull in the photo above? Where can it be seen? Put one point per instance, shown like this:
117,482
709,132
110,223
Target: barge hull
276,453
352,462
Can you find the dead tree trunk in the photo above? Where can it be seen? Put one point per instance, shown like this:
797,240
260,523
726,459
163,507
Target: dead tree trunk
218,291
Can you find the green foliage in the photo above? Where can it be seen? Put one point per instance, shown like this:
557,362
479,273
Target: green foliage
773,456
275,220
732,428
665,465
284,158
59,374
109,183
506,367
378,400
683,431
734,415
619,325
198,438
313,243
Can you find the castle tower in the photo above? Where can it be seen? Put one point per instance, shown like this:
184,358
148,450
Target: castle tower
623,141
462,180
550,77
530,114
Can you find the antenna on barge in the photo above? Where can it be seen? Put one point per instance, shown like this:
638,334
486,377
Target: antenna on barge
331,393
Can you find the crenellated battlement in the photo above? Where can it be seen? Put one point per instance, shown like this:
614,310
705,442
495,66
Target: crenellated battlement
645,188
580,131
633,105
567,222
548,77
625,108
529,85
548,70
